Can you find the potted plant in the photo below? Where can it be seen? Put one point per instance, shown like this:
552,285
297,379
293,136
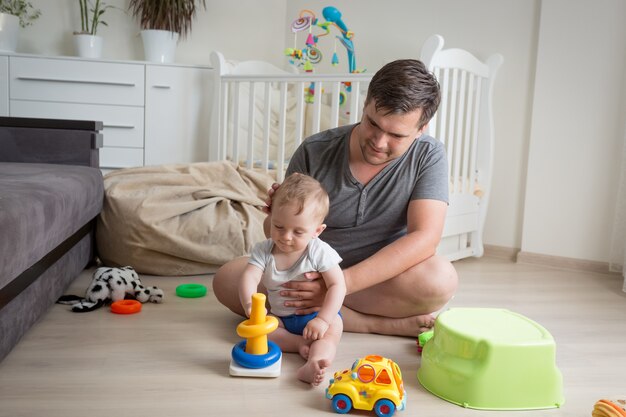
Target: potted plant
13,14
162,23
86,42
91,16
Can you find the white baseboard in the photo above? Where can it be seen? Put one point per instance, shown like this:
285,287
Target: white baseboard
501,252
522,257
562,262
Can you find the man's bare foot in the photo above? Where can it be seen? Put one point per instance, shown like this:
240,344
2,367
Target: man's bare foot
412,326
425,322
313,371
304,351
408,326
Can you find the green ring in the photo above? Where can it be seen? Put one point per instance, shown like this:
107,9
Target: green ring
191,290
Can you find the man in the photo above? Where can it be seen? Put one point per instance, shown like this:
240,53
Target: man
388,189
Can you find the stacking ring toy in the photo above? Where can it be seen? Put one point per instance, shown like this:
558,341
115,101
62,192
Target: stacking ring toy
191,290
257,327
256,351
126,307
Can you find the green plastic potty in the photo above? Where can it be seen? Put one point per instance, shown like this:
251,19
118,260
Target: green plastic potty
491,359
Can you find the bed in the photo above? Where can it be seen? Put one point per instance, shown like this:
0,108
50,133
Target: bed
261,113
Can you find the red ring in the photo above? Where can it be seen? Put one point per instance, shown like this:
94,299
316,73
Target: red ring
126,307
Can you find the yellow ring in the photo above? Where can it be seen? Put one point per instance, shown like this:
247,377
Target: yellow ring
246,329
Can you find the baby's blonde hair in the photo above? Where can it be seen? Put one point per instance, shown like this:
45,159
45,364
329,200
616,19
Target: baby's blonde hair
300,190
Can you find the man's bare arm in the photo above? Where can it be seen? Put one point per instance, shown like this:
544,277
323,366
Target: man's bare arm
425,221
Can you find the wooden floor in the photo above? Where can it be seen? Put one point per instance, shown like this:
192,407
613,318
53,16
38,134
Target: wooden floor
172,359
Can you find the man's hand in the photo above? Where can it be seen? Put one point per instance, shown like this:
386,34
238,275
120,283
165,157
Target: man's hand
307,296
315,329
268,201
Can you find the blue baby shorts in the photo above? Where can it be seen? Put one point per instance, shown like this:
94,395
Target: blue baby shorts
296,323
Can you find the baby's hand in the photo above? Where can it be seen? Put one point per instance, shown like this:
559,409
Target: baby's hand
315,329
247,308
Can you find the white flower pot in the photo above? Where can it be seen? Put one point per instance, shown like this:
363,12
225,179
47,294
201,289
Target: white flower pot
159,45
88,46
9,30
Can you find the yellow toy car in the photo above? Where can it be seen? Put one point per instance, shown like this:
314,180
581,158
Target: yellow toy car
373,382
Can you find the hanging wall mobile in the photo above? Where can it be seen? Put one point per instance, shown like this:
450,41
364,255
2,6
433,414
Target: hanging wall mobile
310,54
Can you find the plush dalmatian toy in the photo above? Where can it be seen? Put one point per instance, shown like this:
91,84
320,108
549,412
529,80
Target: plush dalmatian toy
109,285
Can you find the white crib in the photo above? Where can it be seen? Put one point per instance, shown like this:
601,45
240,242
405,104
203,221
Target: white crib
464,123
261,114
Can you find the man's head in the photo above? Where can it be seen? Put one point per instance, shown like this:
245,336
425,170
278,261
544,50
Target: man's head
402,97
299,208
403,86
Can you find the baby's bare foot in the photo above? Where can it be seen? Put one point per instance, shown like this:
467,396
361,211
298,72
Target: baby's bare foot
313,371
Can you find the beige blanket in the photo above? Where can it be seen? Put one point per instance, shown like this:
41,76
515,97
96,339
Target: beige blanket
181,219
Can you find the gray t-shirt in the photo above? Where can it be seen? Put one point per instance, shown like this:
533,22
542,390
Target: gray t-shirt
318,256
364,219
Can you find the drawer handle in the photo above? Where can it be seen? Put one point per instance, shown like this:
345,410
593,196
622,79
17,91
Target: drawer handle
165,87
119,126
61,80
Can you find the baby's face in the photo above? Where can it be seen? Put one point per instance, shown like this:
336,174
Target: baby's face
292,232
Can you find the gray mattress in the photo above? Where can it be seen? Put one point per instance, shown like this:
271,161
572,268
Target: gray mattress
41,205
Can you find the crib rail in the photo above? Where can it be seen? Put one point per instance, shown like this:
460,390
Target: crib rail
456,124
260,119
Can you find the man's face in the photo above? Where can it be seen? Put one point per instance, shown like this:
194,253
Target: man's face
385,137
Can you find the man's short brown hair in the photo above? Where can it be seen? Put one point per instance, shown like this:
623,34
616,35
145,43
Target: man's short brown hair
403,86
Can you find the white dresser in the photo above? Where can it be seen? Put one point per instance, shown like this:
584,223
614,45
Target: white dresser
4,85
152,113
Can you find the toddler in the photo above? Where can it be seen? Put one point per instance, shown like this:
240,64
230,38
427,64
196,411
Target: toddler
299,207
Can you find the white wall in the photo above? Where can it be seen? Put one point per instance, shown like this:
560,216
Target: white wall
556,157
240,29
577,129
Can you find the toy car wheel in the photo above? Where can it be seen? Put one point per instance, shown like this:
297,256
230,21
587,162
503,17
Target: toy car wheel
384,408
342,404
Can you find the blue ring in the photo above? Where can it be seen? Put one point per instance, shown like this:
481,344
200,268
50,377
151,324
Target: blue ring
248,360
